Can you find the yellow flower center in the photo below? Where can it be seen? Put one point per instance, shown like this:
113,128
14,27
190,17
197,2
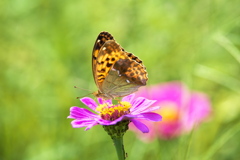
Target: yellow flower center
168,111
112,112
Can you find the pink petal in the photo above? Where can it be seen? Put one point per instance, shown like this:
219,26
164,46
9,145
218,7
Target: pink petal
152,109
150,136
141,104
89,102
150,116
128,98
142,127
77,113
171,91
82,123
90,126
199,109
101,101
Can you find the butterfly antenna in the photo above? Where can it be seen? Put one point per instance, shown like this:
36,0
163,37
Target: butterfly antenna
83,96
85,90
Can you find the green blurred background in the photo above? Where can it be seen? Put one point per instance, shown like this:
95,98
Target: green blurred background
45,50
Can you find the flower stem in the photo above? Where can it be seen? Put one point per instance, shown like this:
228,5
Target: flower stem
118,142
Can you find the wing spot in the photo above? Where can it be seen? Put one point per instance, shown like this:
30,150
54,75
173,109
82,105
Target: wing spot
127,81
133,79
100,76
130,54
104,48
101,79
109,64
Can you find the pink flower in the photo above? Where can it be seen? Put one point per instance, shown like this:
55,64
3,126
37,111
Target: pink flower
106,113
181,110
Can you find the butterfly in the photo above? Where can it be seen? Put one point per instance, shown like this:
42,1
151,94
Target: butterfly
117,73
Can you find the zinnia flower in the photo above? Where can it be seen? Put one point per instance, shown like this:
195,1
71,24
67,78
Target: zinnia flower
181,110
129,109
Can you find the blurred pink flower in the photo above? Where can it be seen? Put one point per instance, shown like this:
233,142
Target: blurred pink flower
181,110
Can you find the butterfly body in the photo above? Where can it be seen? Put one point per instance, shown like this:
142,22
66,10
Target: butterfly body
116,72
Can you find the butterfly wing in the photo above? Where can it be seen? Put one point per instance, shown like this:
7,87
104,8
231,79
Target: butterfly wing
124,78
116,73
109,53
101,39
